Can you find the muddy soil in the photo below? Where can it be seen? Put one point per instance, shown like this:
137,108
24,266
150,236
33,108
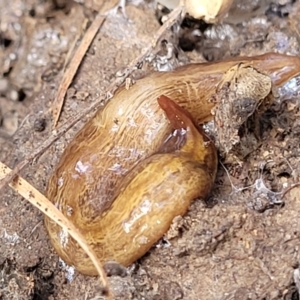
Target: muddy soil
241,244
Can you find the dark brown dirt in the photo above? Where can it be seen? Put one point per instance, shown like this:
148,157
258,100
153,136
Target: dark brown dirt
242,244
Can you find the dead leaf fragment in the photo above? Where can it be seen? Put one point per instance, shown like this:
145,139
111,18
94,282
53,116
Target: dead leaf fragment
239,94
211,11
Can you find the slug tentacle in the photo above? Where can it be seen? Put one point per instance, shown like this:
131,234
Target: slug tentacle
120,183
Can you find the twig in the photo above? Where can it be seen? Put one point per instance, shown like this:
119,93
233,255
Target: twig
37,199
174,16
73,67
289,188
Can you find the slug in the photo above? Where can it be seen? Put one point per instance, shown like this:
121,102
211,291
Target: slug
117,182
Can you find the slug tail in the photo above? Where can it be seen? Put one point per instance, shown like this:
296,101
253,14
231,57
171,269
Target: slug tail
178,116
181,119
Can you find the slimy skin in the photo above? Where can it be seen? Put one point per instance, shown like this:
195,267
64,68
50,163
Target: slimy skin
117,183
142,209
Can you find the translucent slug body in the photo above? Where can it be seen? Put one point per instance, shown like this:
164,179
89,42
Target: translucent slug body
117,182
